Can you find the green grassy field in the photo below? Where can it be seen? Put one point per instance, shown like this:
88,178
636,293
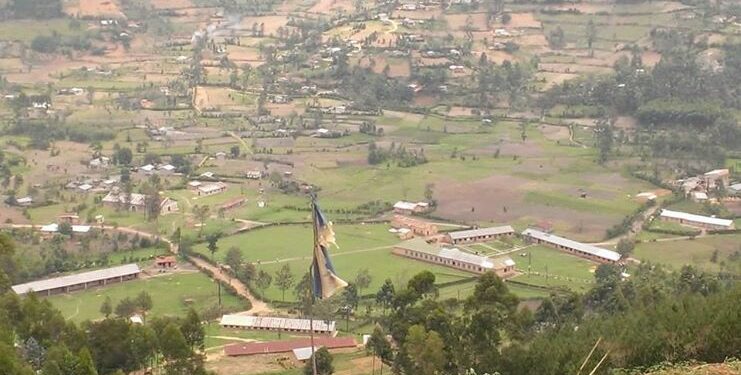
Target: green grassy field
172,294
562,269
697,252
295,241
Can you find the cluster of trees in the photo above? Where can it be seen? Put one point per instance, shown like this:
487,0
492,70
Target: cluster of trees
654,316
54,42
368,127
685,106
403,157
36,339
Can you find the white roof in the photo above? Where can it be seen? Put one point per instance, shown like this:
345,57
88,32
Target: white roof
735,187
71,280
212,187
492,231
147,168
402,205
586,248
717,172
85,187
194,183
136,319
303,354
81,228
700,195
24,200
267,322
136,199
168,167
455,254
50,228
696,218
207,174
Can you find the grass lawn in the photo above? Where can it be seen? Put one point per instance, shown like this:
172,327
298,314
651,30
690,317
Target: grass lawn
381,264
562,269
697,252
295,241
169,293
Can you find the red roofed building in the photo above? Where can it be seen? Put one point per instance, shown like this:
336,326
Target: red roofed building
166,261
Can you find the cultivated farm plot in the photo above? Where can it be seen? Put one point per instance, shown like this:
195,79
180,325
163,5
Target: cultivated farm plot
173,294
94,8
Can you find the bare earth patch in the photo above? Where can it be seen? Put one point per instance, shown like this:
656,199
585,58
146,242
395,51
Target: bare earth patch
95,8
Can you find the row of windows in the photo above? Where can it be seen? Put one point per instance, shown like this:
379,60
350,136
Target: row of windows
579,252
445,261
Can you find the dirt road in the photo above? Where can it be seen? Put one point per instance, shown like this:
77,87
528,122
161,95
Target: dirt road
258,307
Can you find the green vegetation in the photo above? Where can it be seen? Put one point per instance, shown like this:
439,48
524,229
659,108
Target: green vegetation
173,294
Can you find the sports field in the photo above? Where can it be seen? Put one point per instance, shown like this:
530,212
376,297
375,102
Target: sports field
549,267
173,294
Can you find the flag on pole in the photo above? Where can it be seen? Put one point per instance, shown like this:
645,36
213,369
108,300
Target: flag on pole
325,281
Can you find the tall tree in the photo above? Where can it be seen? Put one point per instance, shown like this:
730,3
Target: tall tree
284,279
363,280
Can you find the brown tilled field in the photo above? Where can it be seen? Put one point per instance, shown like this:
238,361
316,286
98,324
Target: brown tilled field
171,4
94,8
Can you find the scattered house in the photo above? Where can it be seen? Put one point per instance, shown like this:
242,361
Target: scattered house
583,250
137,202
167,168
166,261
136,319
267,323
149,168
419,249
221,155
168,206
735,189
101,162
502,33
479,235
699,196
418,227
706,222
210,189
272,347
25,201
716,178
209,175
457,68
253,175
690,184
193,185
85,188
409,208
69,283
54,228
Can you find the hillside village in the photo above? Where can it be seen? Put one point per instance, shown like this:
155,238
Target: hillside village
159,159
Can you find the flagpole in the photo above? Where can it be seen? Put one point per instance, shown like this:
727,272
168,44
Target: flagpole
311,289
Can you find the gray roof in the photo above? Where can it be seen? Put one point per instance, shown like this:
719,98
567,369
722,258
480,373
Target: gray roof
420,245
586,248
455,254
76,279
303,354
696,218
277,323
492,231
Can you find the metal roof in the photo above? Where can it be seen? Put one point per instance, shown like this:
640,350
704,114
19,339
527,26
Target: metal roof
586,248
455,254
420,245
492,231
76,279
267,322
303,354
696,218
